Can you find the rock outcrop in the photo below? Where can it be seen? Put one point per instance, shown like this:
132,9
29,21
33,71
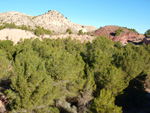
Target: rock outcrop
51,20
125,36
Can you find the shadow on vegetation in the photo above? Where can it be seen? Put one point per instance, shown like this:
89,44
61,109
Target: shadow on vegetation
134,98
135,43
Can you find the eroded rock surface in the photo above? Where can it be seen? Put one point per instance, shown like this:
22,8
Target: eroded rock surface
125,36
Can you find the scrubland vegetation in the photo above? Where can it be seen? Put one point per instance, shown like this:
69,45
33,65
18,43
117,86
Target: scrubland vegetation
37,31
52,76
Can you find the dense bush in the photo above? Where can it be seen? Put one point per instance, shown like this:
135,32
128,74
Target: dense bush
5,65
86,76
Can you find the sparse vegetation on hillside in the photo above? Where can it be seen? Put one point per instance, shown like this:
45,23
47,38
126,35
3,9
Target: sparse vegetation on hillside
80,32
43,20
41,31
12,25
38,31
9,25
1,27
118,31
131,29
69,31
82,76
147,33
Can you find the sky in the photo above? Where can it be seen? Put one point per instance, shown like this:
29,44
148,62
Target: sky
99,13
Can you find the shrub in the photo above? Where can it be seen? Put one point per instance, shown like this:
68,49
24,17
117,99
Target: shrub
24,27
31,87
80,32
147,33
118,31
4,65
131,29
1,27
69,31
104,103
9,25
41,31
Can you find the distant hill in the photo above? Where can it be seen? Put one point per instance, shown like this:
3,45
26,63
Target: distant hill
51,20
121,34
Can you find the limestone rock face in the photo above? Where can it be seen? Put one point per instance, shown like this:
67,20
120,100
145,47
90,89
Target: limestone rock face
125,36
51,20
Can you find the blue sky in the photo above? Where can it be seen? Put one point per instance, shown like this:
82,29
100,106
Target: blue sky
126,13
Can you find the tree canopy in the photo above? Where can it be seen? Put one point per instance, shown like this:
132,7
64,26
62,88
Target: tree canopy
66,75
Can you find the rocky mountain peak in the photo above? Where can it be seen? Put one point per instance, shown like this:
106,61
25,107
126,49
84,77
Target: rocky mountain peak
52,20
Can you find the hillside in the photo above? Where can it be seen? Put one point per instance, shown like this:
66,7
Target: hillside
16,35
127,35
52,20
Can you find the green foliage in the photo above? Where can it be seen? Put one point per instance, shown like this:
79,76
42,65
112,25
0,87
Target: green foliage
118,31
4,44
88,33
1,27
80,32
47,110
12,25
41,31
23,27
31,87
131,29
38,31
69,31
5,65
9,25
106,74
132,60
7,46
104,103
147,33
45,72
68,68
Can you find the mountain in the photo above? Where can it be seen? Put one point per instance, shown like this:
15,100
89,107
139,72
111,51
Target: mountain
125,34
52,20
